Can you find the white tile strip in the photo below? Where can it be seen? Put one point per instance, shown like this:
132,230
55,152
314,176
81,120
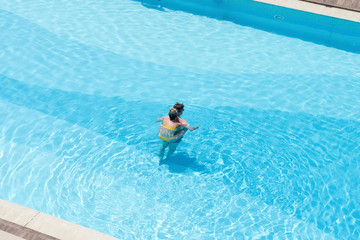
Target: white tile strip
316,8
47,224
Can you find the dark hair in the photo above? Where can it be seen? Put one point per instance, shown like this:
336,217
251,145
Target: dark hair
173,113
179,106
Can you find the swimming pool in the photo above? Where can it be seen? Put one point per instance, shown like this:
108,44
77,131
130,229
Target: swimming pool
276,155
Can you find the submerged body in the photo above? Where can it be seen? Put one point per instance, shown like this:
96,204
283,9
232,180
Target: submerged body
170,134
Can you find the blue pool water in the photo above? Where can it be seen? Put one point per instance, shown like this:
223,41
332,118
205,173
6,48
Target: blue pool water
82,82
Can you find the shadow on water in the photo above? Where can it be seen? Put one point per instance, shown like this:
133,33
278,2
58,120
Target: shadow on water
112,117
183,162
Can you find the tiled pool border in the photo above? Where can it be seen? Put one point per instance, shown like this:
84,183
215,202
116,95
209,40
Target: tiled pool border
25,223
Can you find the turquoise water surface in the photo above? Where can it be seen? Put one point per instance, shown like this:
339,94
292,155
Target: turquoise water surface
82,83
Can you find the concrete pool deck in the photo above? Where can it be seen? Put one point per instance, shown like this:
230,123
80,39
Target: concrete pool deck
336,8
19,222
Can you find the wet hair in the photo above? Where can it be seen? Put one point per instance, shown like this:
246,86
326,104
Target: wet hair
179,107
173,113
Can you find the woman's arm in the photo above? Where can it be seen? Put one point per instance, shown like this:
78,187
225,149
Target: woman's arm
186,125
160,119
193,128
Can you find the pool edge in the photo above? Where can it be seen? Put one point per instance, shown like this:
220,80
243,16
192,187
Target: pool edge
44,224
317,8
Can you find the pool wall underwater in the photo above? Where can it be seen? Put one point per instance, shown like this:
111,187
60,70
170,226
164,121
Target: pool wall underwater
321,29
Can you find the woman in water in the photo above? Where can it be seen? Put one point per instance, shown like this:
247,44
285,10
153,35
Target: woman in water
171,130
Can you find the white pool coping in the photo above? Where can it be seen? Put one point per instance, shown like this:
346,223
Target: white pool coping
45,224
316,8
